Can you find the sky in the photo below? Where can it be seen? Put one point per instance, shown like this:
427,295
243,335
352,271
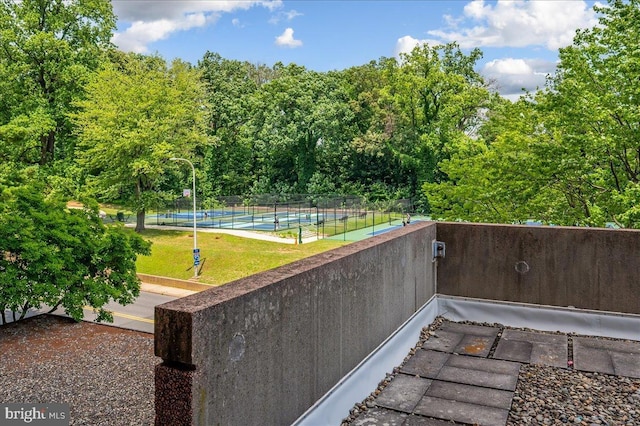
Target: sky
519,39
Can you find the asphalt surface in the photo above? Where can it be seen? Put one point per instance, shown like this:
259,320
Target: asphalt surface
136,316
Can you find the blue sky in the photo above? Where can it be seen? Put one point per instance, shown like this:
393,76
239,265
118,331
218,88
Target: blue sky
520,39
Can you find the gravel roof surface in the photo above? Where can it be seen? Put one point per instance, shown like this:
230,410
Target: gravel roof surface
104,373
544,395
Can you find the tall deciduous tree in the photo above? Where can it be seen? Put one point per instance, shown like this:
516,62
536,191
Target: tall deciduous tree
230,85
58,257
436,98
511,176
595,97
298,117
138,113
572,155
47,50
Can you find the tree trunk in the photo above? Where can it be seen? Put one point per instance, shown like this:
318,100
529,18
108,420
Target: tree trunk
140,221
47,145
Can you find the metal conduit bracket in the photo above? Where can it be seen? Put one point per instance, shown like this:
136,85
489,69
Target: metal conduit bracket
438,250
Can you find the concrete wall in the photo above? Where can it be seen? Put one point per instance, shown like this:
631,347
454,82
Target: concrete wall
173,282
581,267
263,349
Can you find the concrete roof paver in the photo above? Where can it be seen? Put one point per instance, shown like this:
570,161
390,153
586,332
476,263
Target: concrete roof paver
403,393
425,363
478,378
471,394
482,364
626,364
514,350
533,348
467,339
444,341
462,412
475,345
607,356
478,330
427,421
380,416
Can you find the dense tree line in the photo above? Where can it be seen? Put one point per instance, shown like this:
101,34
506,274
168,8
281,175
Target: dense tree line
567,155
425,126
378,130
78,119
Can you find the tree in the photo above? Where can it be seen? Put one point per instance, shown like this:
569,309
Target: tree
510,176
297,118
229,86
138,113
48,48
436,95
58,257
595,97
569,155
372,160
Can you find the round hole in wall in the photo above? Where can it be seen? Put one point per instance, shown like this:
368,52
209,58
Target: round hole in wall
522,267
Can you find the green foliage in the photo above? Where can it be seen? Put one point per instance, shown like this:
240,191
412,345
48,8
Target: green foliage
511,180
299,122
569,155
436,96
47,50
596,109
54,256
229,86
138,113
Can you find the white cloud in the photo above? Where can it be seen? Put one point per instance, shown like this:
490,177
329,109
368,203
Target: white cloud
151,21
152,10
140,33
407,43
284,15
512,23
286,39
551,24
513,76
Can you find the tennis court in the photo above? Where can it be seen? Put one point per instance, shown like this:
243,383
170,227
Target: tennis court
239,219
300,215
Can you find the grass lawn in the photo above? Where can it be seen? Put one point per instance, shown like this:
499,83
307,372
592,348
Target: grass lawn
223,257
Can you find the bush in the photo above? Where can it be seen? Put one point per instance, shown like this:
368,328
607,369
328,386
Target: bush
54,256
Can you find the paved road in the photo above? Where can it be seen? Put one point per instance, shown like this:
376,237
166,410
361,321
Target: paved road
137,316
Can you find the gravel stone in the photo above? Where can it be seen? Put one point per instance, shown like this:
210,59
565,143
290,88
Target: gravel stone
573,396
104,373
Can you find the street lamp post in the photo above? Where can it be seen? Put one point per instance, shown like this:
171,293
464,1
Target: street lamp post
196,251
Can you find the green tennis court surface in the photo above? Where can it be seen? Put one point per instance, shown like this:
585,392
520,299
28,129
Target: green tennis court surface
371,231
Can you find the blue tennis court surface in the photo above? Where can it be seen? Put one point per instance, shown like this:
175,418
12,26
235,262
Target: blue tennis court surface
383,231
225,219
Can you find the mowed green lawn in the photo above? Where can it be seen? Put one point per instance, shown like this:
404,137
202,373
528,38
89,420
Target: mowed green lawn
223,257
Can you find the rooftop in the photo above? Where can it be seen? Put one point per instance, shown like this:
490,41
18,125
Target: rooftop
457,373
466,373
104,373
524,325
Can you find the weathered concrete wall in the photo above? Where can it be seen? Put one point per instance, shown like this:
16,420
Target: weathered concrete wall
560,266
263,349
173,282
